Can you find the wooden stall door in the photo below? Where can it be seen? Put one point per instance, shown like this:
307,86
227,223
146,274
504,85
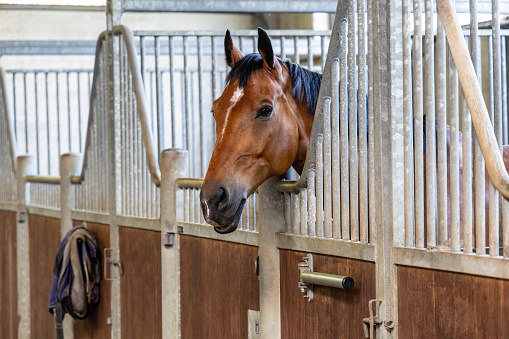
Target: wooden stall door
8,274
333,313
140,285
218,285
96,325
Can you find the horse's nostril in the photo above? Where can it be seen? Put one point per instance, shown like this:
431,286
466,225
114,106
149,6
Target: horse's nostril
223,200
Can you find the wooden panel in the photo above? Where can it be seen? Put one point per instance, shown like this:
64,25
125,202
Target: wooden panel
333,313
438,304
140,287
96,326
44,239
218,286
8,280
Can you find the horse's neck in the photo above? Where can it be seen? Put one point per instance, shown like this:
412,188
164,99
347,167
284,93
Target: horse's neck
305,125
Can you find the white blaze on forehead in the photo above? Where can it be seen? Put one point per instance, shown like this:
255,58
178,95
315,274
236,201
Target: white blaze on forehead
237,95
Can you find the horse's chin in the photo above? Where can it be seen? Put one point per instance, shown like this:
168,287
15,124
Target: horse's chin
233,223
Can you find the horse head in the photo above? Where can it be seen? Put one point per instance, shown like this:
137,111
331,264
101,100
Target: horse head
263,124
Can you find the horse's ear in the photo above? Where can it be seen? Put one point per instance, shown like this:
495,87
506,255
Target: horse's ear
233,54
265,49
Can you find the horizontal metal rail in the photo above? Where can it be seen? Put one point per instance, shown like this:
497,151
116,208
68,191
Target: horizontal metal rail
250,33
189,183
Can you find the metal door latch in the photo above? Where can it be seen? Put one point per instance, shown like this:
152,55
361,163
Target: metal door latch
168,239
374,320
108,261
308,278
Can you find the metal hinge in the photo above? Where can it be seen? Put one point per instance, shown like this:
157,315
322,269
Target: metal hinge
253,324
108,261
374,320
168,239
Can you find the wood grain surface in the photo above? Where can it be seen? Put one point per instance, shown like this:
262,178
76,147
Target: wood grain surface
8,275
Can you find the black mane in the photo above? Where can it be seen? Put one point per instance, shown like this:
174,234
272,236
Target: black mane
305,83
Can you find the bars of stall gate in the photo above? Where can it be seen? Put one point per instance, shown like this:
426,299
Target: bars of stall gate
322,203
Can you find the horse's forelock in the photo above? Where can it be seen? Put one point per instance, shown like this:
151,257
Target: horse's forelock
305,83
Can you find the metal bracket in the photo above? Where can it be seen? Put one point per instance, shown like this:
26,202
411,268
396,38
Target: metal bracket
22,217
108,261
168,239
374,320
306,266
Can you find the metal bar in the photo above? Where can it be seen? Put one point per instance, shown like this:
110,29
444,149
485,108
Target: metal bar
319,186
296,55
429,111
295,214
503,67
371,124
362,116
26,111
336,209
494,212
47,122
283,49
310,53
172,91
142,58
478,157
352,125
200,107
311,205
325,279
79,111
454,155
408,128
440,109
36,104
343,132
288,212
327,199
187,103
466,123
69,134
14,112
159,108
303,211
323,52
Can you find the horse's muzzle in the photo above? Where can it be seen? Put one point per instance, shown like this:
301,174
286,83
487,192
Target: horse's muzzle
234,223
222,207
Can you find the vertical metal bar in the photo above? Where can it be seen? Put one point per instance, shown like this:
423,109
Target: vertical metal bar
296,214
69,112
454,155
418,125
37,146
327,207
408,128
440,101
303,211
296,50
214,81
14,105
188,110
319,186
336,208
503,67
26,111
310,53
362,116
159,108
466,136
47,123
252,212
288,212
371,138
429,111
343,133
479,176
173,113
323,53
79,111
311,205
142,58
283,49
352,124
200,107
494,213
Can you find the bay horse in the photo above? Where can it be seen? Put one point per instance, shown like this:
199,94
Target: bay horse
263,126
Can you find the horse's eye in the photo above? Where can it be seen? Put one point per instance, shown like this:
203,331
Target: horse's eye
265,111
